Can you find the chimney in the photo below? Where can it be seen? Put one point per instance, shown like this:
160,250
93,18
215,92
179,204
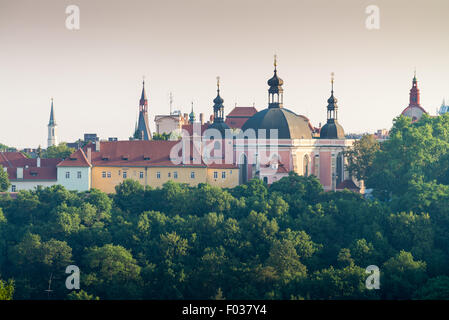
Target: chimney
19,173
202,118
38,162
89,155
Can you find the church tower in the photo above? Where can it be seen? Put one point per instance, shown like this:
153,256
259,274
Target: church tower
332,129
52,128
143,128
414,109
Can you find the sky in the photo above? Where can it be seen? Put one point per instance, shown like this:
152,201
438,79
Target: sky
95,73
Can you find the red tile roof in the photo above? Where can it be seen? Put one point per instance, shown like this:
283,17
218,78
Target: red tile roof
239,115
157,153
76,159
34,174
242,112
14,160
189,128
347,184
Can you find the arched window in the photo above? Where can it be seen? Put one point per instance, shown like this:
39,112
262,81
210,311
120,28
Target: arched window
340,168
243,169
305,164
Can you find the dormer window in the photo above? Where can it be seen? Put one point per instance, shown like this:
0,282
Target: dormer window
125,157
105,158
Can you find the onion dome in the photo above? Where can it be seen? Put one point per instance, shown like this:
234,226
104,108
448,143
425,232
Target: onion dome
219,123
288,124
332,129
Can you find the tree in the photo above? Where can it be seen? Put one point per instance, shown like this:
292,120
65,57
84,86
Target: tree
160,136
415,151
6,290
361,156
112,272
81,295
4,181
129,196
435,289
401,276
60,151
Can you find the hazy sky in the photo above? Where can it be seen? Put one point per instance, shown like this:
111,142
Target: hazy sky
95,73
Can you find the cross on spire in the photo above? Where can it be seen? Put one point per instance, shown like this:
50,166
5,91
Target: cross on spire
332,80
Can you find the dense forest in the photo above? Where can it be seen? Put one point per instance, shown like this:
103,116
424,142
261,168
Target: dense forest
290,240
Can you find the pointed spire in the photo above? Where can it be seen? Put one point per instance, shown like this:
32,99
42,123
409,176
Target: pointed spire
192,115
275,92
414,92
52,121
143,126
143,96
332,102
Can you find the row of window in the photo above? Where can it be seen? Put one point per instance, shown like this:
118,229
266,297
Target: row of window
124,174
78,175
223,174
107,174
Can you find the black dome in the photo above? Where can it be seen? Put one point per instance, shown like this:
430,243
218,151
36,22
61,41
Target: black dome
332,130
275,81
218,100
289,124
220,126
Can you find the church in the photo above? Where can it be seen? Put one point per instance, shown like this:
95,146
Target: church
414,110
276,140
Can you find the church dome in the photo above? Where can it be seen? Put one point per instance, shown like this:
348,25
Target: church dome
275,81
289,124
218,100
332,130
220,126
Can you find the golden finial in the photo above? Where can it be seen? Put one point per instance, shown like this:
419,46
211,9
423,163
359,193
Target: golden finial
218,82
275,60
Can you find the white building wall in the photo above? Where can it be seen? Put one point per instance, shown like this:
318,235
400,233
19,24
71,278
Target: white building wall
17,185
73,182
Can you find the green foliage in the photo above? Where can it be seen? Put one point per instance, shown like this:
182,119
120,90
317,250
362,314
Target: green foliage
81,295
4,181
291,240
60,151
360,157
401,276
159,136
6,290
435,289
4,148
